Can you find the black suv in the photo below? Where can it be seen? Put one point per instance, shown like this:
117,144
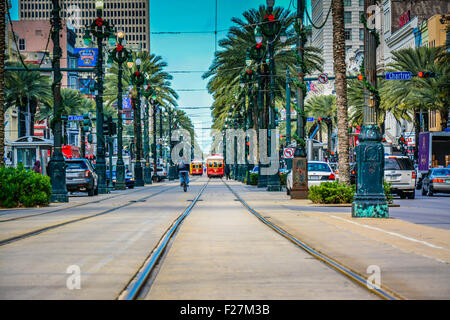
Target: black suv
81,176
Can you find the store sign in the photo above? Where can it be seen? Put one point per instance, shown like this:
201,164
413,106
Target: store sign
87,57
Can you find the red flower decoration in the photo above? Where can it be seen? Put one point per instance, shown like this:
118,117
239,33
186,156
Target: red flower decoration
270,17
99,22
137,73
258,45
249,71
119,48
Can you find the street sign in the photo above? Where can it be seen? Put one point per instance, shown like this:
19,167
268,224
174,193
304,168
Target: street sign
310,119
404,75
323,78
75,118
288,153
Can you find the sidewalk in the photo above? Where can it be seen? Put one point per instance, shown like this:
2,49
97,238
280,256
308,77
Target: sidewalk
413,259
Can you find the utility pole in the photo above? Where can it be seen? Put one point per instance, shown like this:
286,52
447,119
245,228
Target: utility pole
300,162
370,200
57,164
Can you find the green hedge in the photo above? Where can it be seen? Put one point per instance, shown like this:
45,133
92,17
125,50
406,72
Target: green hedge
331,192
253,179
283,177
336,192
23,188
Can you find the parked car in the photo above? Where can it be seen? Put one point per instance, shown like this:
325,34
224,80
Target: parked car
81,176
161,173
400,172
318,172
129,180
436,180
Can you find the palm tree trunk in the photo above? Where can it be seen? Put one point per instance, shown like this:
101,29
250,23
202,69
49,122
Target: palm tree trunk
341,88
2,81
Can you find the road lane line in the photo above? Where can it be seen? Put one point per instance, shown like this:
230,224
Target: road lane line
390,232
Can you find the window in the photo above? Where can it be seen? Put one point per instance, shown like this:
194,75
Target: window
347,17
348,34
361,3
361,34
21,44
347,3
387,21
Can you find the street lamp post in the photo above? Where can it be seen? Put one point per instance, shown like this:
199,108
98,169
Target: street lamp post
154,107
147,170
300,161
370,200
137,79
120,55
271,31
172,171
57,163
288,117
101,30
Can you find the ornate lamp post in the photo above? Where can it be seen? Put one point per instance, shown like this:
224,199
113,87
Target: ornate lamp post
300,161
172,170
57,163
120,55
370,200
101,30
137,79
271,28
154,151
247,79
148,92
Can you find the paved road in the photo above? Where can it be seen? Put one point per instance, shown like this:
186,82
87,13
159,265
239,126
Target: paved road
430,211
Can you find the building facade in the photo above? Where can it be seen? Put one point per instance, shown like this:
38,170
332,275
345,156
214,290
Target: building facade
131,16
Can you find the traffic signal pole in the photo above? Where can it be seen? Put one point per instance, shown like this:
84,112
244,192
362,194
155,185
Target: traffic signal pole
370,200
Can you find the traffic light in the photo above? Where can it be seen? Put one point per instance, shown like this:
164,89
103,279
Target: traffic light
106,126
426,74
90,139
112,128
87,124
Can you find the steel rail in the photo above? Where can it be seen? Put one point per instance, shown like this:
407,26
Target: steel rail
138,281
383,293
51,227
65,208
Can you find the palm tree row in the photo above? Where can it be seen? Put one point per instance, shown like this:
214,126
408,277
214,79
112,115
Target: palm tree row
230,63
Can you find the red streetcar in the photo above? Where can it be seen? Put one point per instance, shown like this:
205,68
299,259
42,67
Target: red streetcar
215,166
196,168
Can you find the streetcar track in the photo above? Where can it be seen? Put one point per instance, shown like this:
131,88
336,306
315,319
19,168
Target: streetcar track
69,207
385,293
146,274
52,227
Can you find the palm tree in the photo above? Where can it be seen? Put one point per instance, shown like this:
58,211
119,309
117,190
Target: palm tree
72,103
2,81
418,94
355,95
341,88
26,90
229,63
323,106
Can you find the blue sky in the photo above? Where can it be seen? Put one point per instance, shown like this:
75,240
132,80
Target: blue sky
192,51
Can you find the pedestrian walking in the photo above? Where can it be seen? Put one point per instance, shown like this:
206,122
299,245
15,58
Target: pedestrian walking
227,171
37,167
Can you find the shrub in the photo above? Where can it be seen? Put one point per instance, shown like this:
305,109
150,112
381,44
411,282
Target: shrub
388,192
253,179
283,177
21,187
332,192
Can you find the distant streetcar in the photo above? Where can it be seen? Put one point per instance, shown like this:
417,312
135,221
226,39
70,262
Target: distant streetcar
196,168
215,166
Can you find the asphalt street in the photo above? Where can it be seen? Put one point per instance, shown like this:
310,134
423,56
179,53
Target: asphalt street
430,211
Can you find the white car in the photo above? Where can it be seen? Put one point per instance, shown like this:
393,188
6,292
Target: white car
318,172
